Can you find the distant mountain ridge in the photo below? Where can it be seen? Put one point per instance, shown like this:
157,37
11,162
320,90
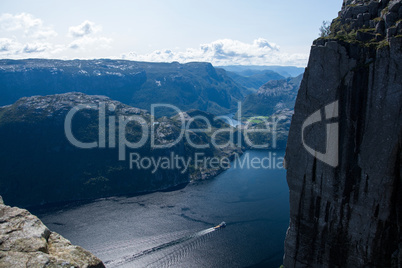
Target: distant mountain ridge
286,71
254,79
273,102
272,97
188,86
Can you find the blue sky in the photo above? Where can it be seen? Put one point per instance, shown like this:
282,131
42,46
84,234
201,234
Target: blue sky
222,32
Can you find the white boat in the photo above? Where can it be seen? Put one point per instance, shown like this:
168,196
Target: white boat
221,225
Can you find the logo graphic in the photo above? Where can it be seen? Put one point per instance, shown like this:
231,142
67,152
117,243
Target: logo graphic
113,127
330,156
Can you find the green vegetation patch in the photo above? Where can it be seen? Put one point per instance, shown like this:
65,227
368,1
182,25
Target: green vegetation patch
344,32
257,119
383,43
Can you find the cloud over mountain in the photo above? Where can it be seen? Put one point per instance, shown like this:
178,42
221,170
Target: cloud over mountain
227,52
24,35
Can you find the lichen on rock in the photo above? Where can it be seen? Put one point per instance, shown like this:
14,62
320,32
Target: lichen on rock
26,242
368,23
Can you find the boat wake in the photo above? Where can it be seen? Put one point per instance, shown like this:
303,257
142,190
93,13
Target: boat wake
165,254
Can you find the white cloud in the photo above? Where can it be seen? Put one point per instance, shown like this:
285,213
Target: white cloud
90,42
32,27
263,43
84,29
227,52
36,47
14,49
7,45
86,37
24,35
23,21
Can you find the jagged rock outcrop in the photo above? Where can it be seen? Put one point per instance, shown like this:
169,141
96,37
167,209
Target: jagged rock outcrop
349,215
369,20
26,242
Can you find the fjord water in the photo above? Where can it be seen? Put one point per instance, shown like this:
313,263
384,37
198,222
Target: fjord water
174,229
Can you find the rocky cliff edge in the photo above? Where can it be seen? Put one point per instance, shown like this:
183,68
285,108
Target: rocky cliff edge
26,242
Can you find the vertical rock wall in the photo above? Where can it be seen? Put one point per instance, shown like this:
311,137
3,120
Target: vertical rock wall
350,215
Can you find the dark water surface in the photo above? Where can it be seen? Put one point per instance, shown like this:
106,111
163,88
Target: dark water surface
174,229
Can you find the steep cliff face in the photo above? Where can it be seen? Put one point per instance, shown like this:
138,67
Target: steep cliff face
26,242
349,215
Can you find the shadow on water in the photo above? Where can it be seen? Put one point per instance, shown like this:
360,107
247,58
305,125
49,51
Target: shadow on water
40,210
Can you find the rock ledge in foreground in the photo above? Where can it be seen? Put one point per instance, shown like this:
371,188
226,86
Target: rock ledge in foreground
26,242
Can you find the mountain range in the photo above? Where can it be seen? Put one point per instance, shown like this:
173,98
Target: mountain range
38,94
285,71
139,84
273,96
253,80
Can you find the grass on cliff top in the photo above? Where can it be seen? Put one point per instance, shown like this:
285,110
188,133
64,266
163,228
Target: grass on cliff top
345,33
342,31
